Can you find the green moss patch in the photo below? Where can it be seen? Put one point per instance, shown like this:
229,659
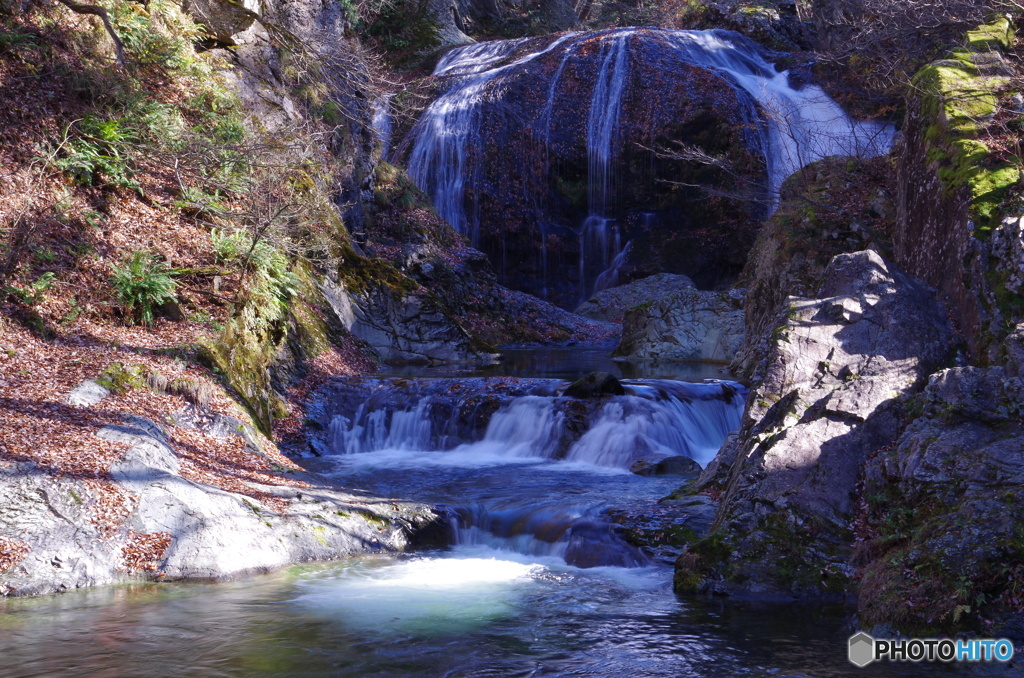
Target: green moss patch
996,35
958,99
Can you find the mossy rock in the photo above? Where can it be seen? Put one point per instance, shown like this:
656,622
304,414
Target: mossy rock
957,98
996,35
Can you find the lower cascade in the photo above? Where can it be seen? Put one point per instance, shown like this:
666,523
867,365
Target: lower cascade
519,418
474,432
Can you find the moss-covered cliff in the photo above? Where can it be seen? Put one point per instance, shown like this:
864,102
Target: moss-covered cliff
959,177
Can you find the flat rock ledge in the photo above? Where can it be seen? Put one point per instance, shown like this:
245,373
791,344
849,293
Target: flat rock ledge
179,529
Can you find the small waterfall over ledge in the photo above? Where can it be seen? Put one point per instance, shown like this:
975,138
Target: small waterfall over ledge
445,431
486,421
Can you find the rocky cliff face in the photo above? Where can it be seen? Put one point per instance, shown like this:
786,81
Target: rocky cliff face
952,184
583,114
838,370
862,465
945,502
833,206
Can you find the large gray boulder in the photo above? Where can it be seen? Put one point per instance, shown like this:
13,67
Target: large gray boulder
611,304
689,324
64,534
839,368
402,327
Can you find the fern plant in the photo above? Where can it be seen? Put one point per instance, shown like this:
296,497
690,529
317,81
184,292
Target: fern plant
35,293
271,284
100,154
142,284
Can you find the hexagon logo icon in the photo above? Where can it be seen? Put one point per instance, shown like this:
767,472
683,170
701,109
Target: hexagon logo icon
862,649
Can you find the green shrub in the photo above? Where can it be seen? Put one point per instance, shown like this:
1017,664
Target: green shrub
143,284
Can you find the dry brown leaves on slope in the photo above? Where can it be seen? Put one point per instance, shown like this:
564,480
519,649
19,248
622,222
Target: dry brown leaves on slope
11,553
143,552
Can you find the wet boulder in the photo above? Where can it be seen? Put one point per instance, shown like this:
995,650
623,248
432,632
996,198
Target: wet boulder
669,466
594,385
595,544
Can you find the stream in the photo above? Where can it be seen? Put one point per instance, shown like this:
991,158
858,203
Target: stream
537,582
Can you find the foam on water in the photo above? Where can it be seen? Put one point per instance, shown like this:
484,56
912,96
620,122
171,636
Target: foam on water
425,596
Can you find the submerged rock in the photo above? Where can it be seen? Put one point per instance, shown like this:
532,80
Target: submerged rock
669,466
685,325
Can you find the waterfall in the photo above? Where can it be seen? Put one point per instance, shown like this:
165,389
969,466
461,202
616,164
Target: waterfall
440,158
527,427
803,125
369,429
437,429
381,124
788,127
609,277
659,419
603,121
655,419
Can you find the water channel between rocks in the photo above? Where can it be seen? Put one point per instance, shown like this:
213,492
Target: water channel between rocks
537,583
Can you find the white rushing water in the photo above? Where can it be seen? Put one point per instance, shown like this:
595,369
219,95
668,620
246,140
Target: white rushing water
790,127
654,420
804,125
461,435
382,124
439,159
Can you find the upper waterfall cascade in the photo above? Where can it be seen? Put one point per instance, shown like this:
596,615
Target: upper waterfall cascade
787,127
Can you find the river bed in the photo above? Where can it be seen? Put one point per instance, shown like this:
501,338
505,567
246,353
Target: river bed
537,583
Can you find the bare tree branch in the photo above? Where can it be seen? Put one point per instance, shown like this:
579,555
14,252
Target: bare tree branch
101,12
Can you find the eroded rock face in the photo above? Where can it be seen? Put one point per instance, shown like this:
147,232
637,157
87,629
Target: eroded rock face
837,372
210,533
947,502
686,325
405,328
